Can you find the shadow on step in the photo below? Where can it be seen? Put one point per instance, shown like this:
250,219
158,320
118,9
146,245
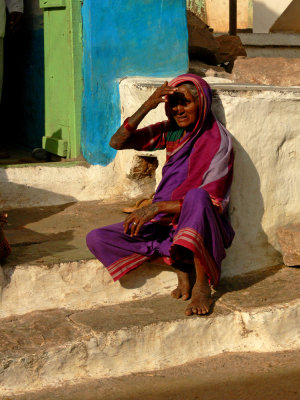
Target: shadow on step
147,271
33,232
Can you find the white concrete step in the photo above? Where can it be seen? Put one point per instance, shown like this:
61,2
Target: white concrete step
51,266
51,348
76,285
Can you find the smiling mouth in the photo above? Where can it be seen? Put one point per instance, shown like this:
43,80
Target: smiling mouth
181,118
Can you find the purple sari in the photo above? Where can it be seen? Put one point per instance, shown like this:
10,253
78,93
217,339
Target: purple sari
198,172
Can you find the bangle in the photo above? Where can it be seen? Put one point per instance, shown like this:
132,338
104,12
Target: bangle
128,126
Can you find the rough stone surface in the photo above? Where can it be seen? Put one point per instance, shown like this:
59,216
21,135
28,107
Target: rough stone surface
202,69
289,239
53,347
202,43
144,167
234,376
230,48
267,71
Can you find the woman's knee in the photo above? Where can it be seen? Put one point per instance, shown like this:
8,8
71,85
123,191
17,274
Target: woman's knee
95,238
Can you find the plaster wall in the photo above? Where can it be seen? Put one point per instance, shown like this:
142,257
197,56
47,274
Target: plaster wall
266,12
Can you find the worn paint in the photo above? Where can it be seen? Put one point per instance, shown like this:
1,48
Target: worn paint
127,38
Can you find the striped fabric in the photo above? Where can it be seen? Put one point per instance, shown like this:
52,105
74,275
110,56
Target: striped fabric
192,240
124,265
158,137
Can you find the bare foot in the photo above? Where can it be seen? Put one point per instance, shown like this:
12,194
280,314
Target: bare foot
184,287
201,300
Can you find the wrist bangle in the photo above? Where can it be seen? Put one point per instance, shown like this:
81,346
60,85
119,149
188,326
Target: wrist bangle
127,126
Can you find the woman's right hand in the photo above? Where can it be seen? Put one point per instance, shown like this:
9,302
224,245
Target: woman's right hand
159,96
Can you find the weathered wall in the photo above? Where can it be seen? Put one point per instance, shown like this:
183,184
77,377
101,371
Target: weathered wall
128,38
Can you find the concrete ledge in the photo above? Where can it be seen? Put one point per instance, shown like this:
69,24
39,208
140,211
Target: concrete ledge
270,39
271,44
140,336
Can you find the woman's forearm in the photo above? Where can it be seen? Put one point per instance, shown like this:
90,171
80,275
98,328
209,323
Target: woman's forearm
124,139
168,207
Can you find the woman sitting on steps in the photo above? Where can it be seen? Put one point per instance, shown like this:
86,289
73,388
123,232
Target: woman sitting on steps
186,223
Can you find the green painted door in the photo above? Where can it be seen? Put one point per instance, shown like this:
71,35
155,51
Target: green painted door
63,76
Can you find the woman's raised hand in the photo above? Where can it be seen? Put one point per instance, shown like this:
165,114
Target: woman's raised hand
159,96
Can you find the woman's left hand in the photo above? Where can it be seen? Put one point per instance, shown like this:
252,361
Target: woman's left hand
139,217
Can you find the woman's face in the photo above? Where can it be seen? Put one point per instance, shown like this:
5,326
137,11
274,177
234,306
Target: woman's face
184,107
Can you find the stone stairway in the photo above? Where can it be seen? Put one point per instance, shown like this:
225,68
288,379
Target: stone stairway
63,321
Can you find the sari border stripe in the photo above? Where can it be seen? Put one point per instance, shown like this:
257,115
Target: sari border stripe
191,239
126,264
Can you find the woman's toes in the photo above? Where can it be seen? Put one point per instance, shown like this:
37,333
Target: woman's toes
185,296
188,311
176,293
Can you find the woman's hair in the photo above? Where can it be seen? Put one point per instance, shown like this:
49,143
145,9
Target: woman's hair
191,88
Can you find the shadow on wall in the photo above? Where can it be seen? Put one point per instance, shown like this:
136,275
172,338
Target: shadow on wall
263,18
251,248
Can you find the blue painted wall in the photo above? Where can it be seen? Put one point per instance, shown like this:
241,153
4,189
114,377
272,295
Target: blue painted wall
125,38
